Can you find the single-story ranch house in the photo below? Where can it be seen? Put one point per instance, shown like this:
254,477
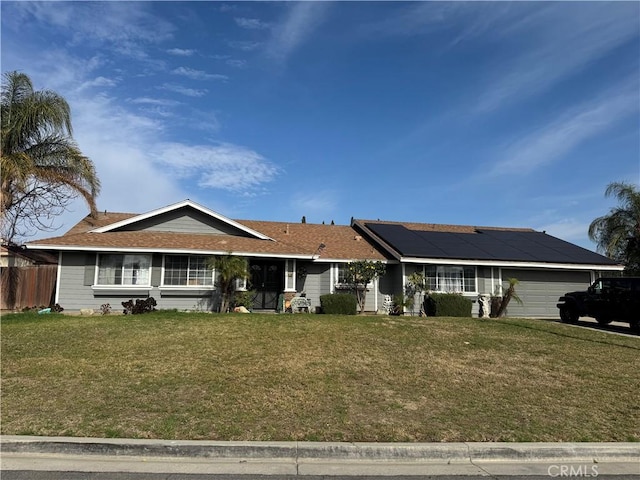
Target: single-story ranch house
163,254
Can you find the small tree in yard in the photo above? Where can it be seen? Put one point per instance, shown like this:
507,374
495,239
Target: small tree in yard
417,285
509,293
359,274
228,268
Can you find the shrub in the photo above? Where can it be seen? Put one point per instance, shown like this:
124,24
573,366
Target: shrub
244,299
105,308
339,304
141,306
401,303
447,305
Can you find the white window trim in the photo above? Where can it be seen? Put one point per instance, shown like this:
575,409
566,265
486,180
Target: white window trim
475,278
335,275
164,286
122,287
102,286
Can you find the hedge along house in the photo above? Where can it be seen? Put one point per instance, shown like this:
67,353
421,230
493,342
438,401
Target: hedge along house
481,260
163,254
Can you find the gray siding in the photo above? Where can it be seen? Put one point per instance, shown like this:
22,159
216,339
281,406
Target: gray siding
316,282
73,294
184,220
540,290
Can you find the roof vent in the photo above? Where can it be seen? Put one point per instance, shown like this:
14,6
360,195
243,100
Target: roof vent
357,238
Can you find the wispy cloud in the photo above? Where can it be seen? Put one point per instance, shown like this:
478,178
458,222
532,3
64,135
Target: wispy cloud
99,82
163,102
315,204
126,28
181,52
189,92
251,23
412,18
561,42
198,74
549,41
243,45
236,63
224,166
301,20
563,134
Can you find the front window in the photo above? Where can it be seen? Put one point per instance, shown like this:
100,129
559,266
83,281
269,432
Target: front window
450,279
117,269
341,277
187,270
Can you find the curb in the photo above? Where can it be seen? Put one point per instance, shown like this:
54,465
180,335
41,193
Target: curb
457,452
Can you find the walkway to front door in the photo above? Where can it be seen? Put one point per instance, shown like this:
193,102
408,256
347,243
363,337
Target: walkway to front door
267,280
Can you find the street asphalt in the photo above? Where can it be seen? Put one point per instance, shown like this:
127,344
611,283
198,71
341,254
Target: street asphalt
423,460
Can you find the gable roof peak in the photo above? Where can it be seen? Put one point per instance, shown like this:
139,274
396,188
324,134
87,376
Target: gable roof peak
176,206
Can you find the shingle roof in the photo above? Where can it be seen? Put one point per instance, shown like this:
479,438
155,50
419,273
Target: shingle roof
341,242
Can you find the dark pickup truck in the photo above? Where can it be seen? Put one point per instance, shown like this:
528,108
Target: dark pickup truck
608,299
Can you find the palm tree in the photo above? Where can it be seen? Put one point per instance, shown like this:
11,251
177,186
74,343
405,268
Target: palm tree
228,268
617,234
38,149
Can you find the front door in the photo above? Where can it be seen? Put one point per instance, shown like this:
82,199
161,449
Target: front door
267,280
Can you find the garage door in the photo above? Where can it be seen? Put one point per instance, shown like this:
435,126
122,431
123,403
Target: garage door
540,290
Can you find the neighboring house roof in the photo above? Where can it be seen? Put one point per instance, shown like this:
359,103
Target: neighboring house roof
419,242
109,232
26,257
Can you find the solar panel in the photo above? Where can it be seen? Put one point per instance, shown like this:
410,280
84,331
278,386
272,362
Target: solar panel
485,244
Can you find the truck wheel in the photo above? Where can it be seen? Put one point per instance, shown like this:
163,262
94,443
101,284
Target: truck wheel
604,321
635,326
568,315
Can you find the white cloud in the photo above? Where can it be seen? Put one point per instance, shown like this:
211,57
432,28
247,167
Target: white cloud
302,18
181,52
569,229
124,27
236,63
224,166
189,92
569,130
412,18
198,74
316,201
99,82
251,23
243,45
559,41
154,101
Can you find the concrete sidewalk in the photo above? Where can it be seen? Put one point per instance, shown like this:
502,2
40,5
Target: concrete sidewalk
318,458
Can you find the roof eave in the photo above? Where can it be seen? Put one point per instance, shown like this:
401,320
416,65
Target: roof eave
512,264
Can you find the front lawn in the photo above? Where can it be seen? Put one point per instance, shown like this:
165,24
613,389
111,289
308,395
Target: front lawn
316,377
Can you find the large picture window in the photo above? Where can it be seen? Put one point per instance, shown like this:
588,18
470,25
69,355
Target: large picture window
450,279
187,270
118,269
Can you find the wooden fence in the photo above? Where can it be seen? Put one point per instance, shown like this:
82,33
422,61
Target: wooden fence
32,286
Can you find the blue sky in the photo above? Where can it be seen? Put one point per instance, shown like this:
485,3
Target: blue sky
493,113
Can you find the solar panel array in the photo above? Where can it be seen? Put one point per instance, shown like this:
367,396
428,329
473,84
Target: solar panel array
484,244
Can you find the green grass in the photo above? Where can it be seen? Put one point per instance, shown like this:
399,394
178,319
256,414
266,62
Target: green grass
316,377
